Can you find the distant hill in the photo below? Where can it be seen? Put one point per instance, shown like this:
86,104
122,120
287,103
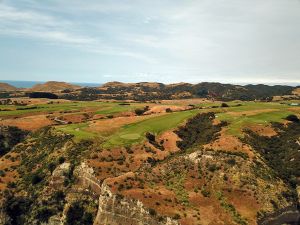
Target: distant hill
54,86
7,87
152,90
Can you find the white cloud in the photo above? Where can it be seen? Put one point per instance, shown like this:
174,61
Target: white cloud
52,30
170,39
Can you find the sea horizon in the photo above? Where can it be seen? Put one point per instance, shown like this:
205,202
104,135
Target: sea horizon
29,84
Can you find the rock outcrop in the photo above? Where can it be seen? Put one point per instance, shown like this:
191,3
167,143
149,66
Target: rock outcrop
115,209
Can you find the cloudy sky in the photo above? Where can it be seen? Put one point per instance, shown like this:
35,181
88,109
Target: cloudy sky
232,41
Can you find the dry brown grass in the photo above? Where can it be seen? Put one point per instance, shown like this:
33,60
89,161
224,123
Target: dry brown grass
28,123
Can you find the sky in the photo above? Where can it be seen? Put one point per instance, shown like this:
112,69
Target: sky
169,41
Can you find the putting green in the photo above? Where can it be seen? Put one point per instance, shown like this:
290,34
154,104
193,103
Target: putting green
132,136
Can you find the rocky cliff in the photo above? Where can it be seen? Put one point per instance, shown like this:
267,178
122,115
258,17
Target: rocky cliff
115,209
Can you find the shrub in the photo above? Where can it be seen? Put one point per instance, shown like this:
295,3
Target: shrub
44,213
224,105
205,192
74,214
231,162
176,216
51,167
150,137
152,212
36,178
213,167
139,112
61,160
292,118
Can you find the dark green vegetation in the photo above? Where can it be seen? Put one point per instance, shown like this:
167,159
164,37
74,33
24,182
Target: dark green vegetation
77,215
43,155
198,129
155,91
9,137
42,95
280,152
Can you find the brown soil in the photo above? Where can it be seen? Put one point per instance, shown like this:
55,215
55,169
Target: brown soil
5,165
170,141
231,143
162,109
263,130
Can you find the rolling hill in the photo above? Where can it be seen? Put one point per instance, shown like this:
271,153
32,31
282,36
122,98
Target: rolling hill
54,86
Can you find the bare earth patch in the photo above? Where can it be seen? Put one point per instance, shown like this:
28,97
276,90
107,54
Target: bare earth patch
231,143
163,108
263,130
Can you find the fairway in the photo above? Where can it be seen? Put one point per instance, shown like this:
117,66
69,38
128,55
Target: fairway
240,121
135,132
104,108
78,130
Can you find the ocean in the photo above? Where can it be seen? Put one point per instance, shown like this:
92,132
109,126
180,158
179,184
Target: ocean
29,84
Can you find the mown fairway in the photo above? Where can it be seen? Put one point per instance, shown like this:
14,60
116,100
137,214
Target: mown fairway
135,132
251,113
99,108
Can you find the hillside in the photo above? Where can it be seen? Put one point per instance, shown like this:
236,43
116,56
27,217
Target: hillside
7,87
150,91
53,86
166,163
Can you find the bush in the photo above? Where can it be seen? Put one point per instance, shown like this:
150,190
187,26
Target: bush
44,213
292,118
139,112
150,137
231,162
205,192
224,105
36,178
176,216
152,212
51,167
16,207
61,160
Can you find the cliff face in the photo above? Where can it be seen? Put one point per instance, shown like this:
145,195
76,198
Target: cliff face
115,210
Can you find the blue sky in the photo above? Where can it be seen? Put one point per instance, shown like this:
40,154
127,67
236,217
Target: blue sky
231,41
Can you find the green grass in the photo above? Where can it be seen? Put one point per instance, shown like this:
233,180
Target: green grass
116,108
135,132
238,123
98,107
78,130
